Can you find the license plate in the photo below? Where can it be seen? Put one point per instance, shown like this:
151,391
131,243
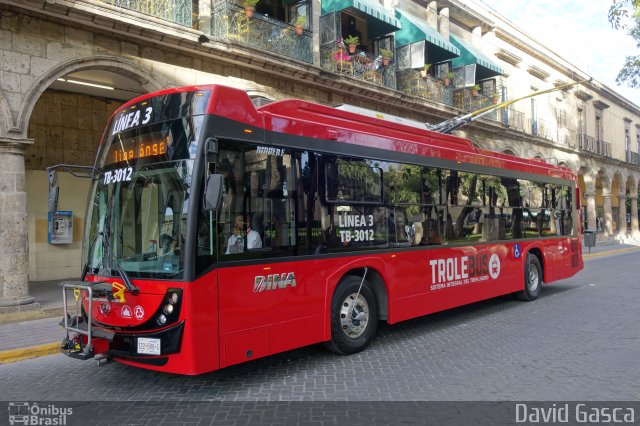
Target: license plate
148,346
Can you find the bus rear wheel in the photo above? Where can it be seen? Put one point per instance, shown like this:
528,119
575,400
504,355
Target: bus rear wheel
354,316
532,279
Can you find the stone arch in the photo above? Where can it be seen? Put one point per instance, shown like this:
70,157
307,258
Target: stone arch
618,205
603,202
6,121
510,151
587,186
538,156
631,204
631,185
104,63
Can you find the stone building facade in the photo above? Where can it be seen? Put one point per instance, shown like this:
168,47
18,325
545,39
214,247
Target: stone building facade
54,52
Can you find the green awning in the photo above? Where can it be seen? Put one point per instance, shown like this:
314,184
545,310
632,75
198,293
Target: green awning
415,29
470,54
387,23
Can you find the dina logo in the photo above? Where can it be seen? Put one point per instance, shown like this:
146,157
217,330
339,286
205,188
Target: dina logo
273,282
25,413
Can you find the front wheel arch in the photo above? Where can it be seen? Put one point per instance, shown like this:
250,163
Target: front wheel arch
353,315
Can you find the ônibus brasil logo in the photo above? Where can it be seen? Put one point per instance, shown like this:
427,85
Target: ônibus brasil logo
462,270
25,413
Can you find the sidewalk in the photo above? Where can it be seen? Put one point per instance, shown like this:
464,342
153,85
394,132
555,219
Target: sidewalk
35,333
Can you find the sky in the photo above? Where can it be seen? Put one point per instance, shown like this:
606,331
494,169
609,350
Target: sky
578,31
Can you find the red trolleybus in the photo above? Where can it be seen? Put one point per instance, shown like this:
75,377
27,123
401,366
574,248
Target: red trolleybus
218,233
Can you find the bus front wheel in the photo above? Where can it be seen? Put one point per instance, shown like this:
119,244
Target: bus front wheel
532,279
354,316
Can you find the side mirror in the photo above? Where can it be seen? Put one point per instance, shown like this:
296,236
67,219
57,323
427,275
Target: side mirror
213,192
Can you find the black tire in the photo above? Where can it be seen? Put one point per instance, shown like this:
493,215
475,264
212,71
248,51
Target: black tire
532,279
349,336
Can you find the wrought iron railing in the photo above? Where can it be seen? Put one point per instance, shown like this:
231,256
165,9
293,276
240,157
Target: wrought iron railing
469,100
361,65
633,157
514,119
427,87
176,11
229,22
544,129
568,137
590,144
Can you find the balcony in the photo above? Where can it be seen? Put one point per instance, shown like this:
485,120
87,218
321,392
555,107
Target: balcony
568,137
633,157
514,119
466,100
591,144
360,65
430,88
176,11
544,129
229,22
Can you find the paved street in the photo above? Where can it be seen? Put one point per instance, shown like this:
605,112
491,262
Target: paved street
580,341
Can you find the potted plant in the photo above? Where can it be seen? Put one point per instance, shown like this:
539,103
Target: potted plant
386,56
495,97
475,89
249,7
300,21
425,71
448,77
352,42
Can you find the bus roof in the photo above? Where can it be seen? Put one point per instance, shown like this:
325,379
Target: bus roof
308,119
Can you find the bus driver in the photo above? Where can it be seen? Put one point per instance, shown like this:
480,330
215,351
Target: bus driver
235,243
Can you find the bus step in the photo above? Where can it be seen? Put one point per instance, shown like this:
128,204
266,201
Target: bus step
73,349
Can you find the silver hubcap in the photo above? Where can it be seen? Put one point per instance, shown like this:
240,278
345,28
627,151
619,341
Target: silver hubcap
354,315
534,280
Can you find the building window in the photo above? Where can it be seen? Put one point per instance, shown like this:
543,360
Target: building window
599,126
627,136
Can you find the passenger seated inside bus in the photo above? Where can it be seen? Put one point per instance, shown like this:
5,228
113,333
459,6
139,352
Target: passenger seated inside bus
235,243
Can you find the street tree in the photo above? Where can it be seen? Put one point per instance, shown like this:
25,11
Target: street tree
620,13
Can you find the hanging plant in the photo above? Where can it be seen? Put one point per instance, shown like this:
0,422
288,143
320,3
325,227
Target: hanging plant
300,22
352,42
425,71
249,7
386,56
448,77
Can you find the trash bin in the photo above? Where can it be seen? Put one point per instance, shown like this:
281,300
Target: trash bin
589,238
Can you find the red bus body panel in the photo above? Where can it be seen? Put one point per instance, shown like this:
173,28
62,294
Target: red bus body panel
227,321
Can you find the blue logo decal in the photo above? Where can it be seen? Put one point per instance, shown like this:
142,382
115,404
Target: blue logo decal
516,251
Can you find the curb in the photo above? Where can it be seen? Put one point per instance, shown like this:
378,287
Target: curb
31,315
586,256
21,354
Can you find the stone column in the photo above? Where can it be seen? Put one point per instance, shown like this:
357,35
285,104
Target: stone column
443,23
432,14
634,216
622,215
14,246
591,210
608,225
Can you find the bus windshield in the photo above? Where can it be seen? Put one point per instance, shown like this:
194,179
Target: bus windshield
139,200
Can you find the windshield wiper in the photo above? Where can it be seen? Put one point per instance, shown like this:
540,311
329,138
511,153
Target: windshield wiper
125,277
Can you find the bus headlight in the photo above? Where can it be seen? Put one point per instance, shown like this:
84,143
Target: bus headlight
162,320
173,298
168,308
